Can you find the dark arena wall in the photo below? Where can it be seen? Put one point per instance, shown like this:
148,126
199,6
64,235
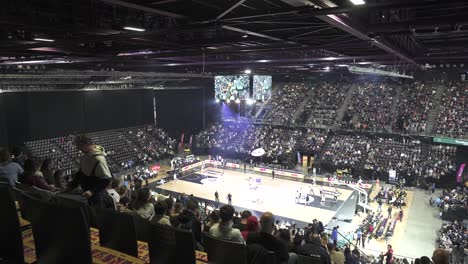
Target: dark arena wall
36,115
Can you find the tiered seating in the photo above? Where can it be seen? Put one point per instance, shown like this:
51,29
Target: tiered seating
284,103
400,154
439,162
416,100
452,120
344,151
47,148
312,141
126,148
322,104
371,107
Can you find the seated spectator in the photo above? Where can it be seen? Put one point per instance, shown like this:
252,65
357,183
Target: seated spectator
47,170
160,210
440,256
267,240
350,257
188,219
336,256
243,221
60,181
251,226
142,205
9,171
112,191
223,229
213,219
33,176
314,247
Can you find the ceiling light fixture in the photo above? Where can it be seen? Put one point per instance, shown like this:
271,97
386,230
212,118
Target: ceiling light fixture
248,71
44,39
357,2
135,29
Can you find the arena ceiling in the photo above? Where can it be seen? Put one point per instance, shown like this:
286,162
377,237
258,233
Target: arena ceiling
228,36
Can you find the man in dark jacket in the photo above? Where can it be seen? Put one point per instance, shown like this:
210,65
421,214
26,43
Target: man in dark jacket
314,248
188,219
265,239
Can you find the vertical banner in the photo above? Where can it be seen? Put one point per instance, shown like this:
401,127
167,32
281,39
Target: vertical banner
298,158
191,136
182,140
460,173
304,161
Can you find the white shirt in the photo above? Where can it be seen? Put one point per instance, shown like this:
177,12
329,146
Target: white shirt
115,196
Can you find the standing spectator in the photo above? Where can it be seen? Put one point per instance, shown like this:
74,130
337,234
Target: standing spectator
32,175
363,239
217,198
358,236
142,205
350,257
223,229
389,255
94,175
389,210
229,198
9,170
334,235
401,215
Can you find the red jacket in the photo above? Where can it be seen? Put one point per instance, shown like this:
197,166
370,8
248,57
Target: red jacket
38,181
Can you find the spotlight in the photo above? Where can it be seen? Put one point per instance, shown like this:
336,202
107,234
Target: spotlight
357,2
44,39
135,29
248,71
327,68
237,101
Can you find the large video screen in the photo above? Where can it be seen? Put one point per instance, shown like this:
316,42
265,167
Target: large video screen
232,87
261,87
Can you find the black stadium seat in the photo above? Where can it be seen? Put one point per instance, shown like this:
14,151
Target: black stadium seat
117,231
224,252
11,239
142,227
169,245
61,234
301,259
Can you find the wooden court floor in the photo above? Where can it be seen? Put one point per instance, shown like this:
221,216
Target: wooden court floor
274,195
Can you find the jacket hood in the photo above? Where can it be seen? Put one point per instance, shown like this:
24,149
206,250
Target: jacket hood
97,151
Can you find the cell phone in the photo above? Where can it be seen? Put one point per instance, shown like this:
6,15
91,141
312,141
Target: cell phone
126,183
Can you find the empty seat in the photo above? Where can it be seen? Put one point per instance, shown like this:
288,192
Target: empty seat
169,245
117,231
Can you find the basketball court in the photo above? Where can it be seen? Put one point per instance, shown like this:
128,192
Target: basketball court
261,193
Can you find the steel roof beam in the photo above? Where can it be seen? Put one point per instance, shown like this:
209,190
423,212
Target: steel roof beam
144,8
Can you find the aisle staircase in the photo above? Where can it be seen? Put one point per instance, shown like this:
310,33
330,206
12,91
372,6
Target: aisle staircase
434,112
396,100
344,106
299,110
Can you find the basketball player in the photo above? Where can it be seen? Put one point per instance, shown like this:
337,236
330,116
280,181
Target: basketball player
229,198
322,200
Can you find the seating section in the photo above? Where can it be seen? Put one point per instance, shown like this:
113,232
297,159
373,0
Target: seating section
322,104
416,100
126,148
284,103
452,120
371,107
